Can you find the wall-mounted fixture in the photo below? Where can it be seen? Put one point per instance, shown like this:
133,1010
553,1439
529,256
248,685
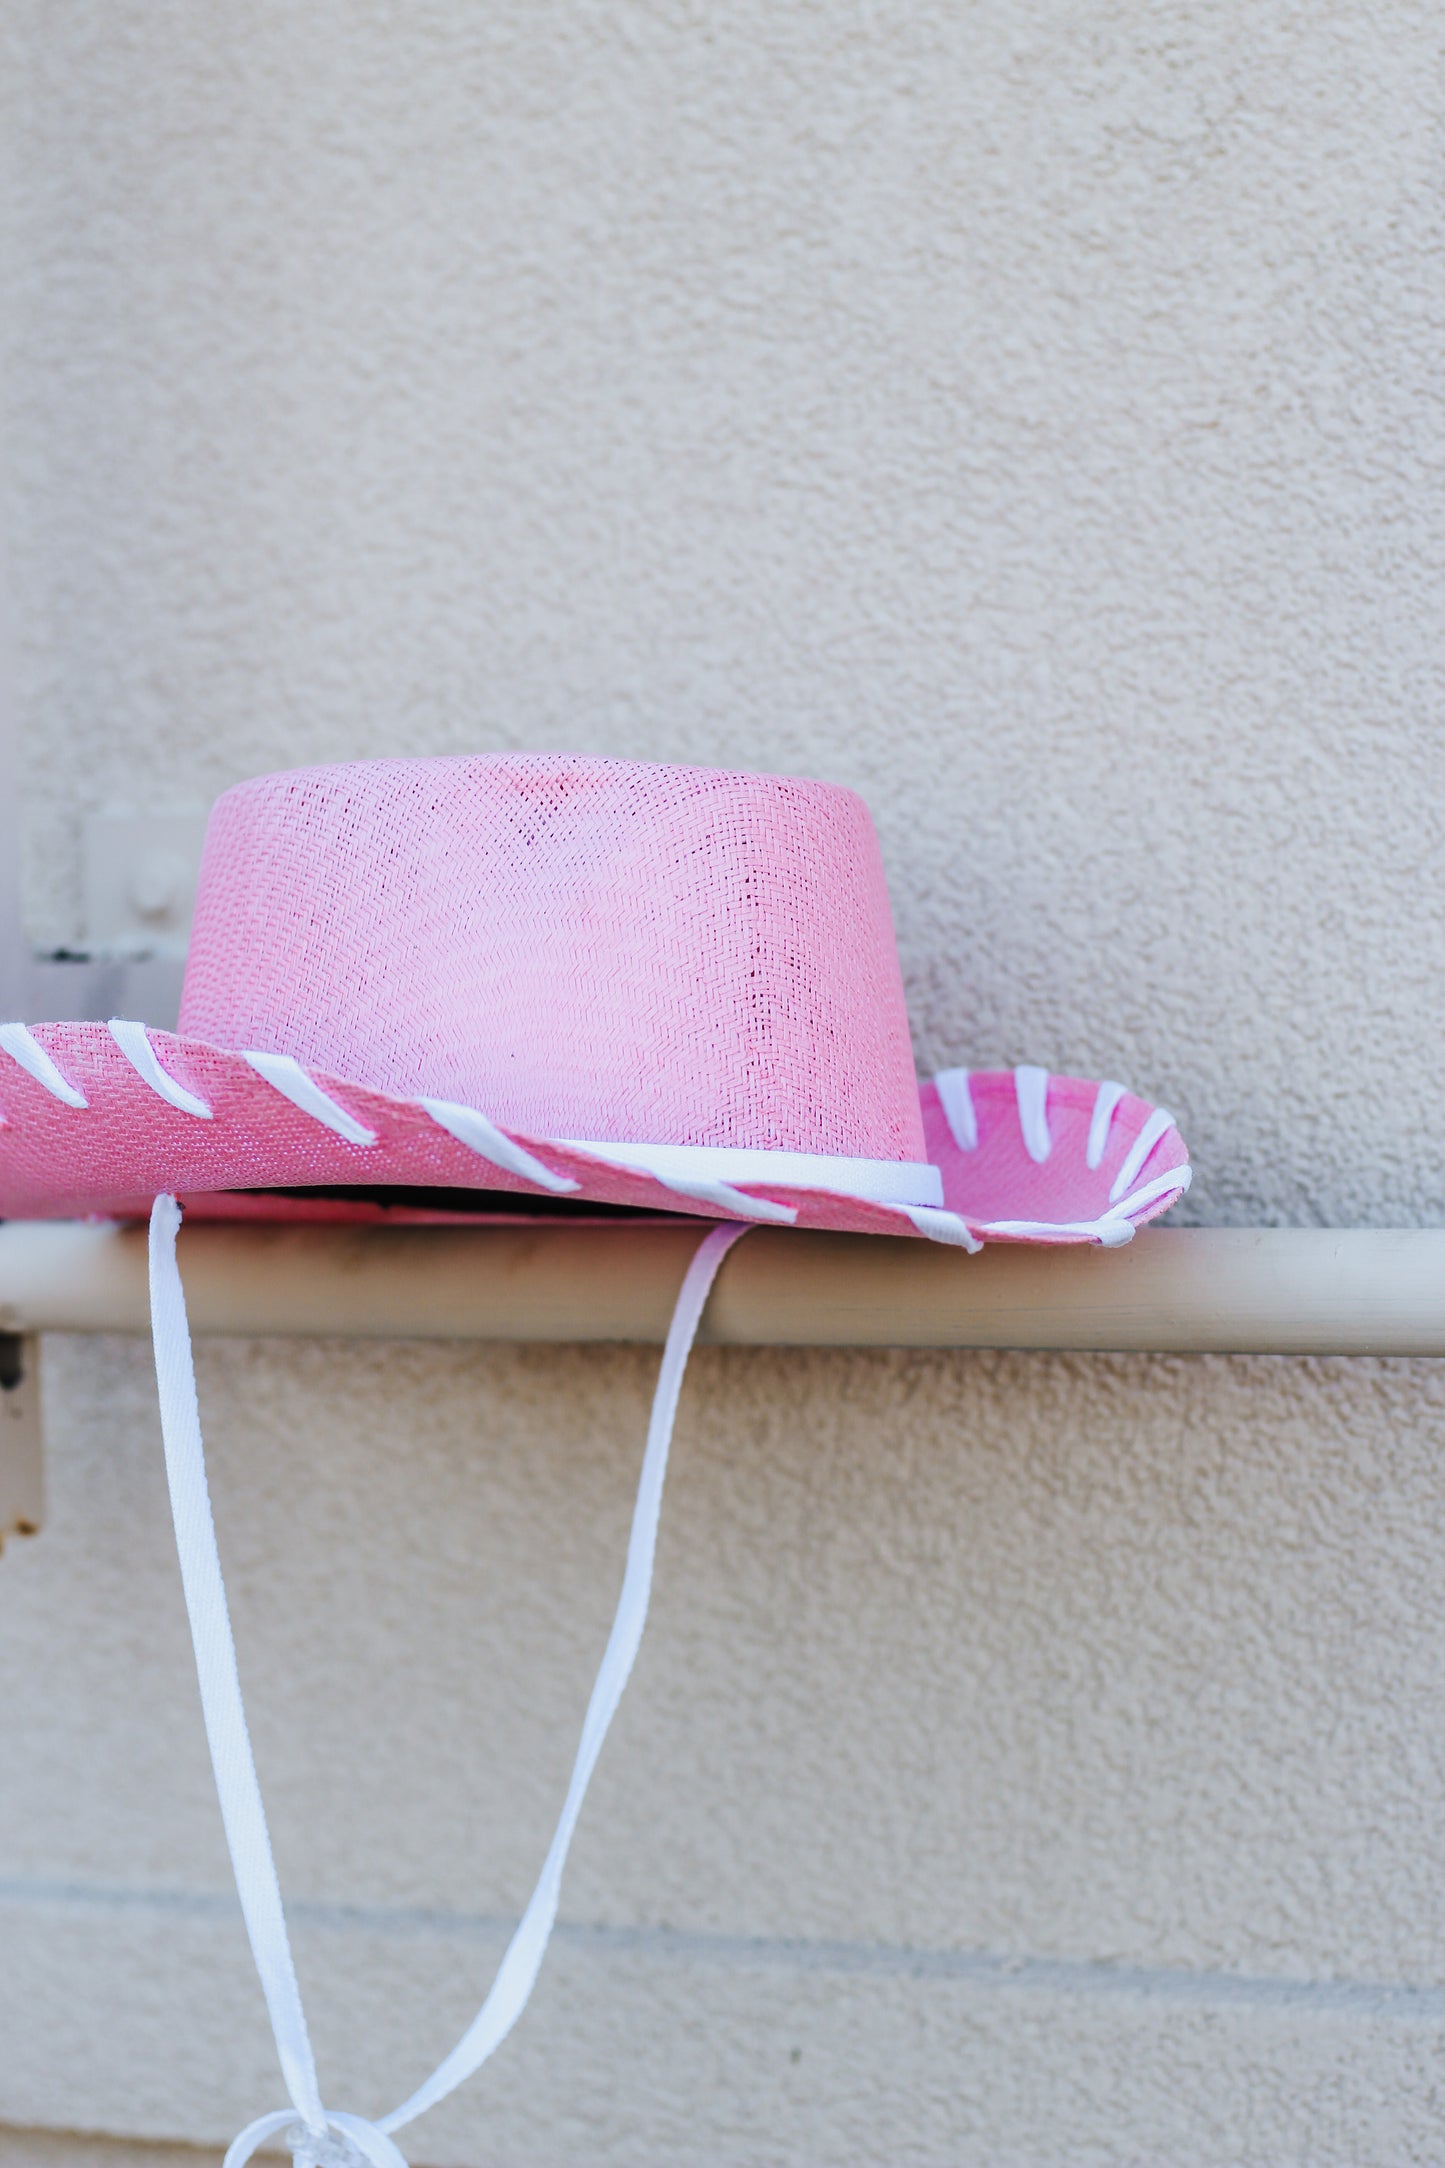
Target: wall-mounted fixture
139,875
138,881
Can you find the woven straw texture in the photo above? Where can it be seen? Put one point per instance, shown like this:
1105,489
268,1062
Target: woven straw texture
128,1143
583,948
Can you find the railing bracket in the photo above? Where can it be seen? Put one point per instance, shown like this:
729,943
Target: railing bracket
22,1458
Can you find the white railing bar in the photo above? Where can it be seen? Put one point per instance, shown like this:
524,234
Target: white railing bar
1317,1291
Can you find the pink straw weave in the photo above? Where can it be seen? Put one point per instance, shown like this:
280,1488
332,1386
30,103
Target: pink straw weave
585,948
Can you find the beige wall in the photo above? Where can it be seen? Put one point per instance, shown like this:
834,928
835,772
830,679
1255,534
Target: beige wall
1030,414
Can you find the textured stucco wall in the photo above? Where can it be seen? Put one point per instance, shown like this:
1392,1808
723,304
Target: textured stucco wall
1030,414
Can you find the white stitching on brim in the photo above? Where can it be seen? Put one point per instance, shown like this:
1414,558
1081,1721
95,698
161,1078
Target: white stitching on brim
286,1075
727,1199
956,1100
1031,1095
1117,1224
23,1047
700,1173
948,1227
1158,1126
483,1137
134,1042
872,1181
1105,1104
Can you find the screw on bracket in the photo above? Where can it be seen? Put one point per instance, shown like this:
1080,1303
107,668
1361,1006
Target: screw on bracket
22,1486
12,1361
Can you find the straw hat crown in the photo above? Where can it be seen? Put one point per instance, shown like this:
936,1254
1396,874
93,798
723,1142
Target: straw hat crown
581,947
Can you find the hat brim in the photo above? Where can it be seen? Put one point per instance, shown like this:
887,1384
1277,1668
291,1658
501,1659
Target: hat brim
1023,1157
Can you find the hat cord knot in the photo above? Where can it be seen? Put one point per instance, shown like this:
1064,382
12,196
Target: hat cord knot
341,2141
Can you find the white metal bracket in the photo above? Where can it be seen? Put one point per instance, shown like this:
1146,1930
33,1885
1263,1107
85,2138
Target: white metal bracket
22,1460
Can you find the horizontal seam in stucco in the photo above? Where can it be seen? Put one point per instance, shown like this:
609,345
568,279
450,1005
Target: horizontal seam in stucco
981,1968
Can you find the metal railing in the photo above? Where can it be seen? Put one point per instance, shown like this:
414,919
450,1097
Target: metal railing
1317,1291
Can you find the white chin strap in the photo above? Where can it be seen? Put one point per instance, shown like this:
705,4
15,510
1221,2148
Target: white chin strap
318,2137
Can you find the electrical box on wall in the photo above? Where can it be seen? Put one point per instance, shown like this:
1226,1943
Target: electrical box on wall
22,1466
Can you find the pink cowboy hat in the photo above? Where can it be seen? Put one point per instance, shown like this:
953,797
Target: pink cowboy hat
419,988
